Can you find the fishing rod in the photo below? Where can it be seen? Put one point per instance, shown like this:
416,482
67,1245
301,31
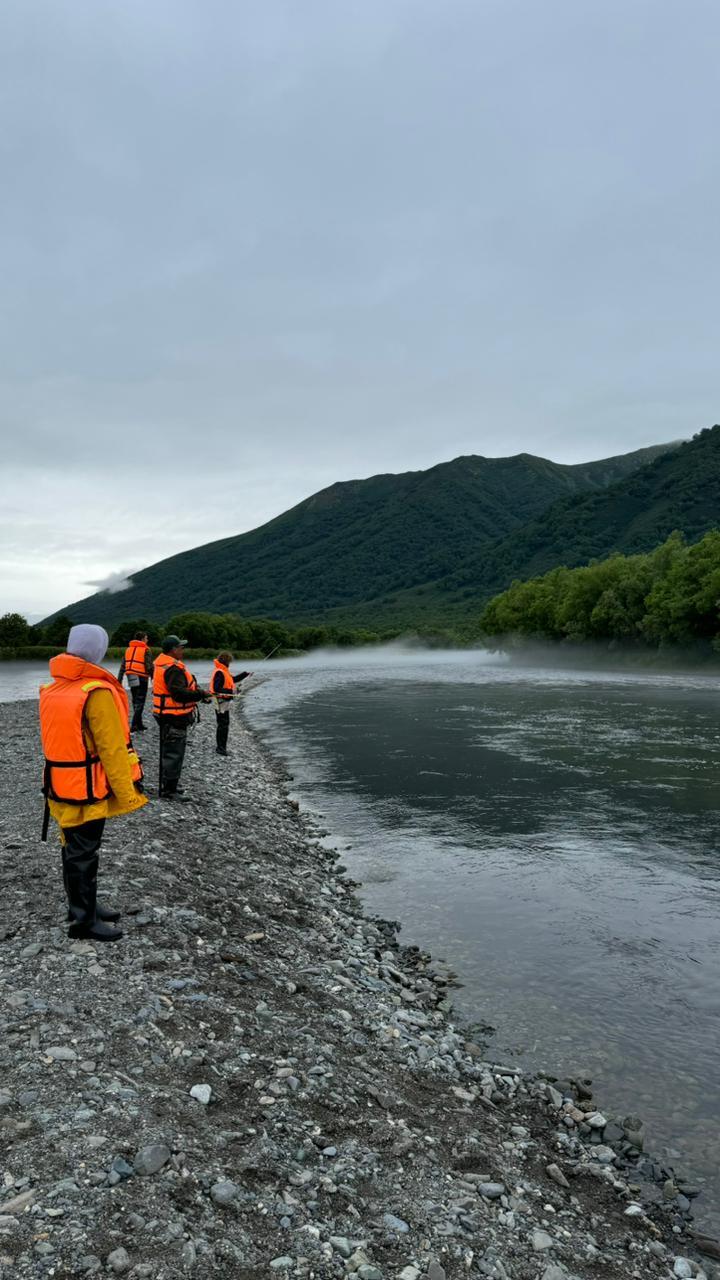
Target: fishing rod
270,654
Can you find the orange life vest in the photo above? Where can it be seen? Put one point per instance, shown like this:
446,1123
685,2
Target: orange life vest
135,659
228,683
163,702
72,773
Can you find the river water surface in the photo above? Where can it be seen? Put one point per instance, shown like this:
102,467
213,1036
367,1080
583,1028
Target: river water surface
554,836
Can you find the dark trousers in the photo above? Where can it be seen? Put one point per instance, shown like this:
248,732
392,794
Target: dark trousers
173,741
80,857
138,692
223,728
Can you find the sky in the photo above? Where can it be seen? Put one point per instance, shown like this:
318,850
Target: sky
250,249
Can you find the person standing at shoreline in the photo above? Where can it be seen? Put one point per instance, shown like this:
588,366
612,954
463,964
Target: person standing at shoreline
91,772
175,698
222,687
137,665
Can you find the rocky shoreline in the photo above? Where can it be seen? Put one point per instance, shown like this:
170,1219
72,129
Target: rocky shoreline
258,1080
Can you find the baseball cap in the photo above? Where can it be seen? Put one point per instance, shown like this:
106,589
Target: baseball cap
172,642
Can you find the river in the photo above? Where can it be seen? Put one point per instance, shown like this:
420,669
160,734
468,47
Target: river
553,834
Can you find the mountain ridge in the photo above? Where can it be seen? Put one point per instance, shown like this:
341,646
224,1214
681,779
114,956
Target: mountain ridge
359,541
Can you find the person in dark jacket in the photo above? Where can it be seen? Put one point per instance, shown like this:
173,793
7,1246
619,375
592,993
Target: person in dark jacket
222,687
137,666
175,696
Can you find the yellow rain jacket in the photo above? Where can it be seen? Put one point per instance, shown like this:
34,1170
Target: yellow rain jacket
104,736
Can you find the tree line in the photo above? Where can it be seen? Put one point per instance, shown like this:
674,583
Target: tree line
211,631
669,597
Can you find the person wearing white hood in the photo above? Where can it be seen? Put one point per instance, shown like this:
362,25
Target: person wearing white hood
92,771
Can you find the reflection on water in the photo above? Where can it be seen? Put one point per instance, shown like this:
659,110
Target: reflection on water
554,837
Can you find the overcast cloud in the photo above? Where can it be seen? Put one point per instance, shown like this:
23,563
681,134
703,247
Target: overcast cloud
248,249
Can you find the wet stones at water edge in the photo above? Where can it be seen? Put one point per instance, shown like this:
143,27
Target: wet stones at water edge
200,1104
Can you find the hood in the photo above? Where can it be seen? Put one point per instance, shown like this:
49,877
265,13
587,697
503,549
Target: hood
88,641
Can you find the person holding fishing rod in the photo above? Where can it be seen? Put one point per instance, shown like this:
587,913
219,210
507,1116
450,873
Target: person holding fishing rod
175,698
222,687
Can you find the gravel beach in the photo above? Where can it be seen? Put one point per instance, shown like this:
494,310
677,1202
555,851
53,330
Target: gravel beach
258,1080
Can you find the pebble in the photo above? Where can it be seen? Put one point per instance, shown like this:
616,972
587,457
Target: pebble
60,1053
395,1224
435,1271
202,1093
492,1190
541,1241
555,1172
224,1193
151,1159
282,1264
341,1245
119,1261
596,1120
683,1269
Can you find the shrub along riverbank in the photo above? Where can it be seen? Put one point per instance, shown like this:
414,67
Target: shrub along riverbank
666,601
207,634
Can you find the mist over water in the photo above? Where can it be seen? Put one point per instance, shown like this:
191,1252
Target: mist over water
553,835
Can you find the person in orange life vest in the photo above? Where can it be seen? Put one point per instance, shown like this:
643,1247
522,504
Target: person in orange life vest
175,694
222,687
92,771
137,665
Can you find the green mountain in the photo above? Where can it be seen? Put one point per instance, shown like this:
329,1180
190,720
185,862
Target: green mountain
350,548
678,490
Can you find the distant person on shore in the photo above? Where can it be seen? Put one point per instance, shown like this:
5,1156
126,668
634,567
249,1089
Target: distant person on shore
137,665
92,771
175,698
222,687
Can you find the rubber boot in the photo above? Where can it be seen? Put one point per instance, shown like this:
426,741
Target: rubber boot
80,867
221,733
107,914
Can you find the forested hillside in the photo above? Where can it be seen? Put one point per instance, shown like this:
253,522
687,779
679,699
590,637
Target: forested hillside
352,547
678,490
669,597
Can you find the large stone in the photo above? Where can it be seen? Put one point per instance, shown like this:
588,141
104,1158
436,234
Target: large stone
683,1269
395,1224
61,1053
224,1193
18,1203
492,1190
541,1241
151,1159
435,1271
119,1261
341,1245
